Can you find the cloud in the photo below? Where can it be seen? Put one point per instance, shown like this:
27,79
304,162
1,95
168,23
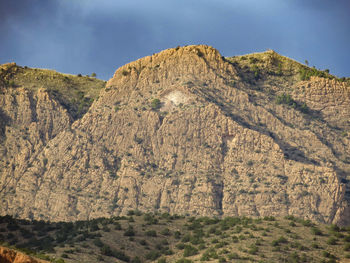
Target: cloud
85,36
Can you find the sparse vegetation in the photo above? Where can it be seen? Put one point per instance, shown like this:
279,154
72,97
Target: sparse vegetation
203,238
75,93
306,73
288,100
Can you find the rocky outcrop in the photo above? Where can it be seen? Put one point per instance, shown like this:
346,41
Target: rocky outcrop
179,132
12,256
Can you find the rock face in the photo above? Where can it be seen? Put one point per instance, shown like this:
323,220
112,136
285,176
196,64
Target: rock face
12,256
183,131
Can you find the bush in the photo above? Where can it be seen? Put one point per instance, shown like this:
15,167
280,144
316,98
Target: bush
332,241
326,254
166,232
253,250
97,242
143,242
152,255
150,219
121,255
190,251
155,104
334,228
151,233
180,246
347,247
305,73
316,231
131,213
279,241
233,256
117,226
106,250
136,260
177,234
184,260
129,232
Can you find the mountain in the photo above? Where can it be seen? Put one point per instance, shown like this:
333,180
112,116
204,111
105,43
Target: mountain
184,131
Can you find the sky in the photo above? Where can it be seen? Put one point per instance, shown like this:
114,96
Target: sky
86,36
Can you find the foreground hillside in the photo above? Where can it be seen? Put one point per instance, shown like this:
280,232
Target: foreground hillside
184,131
163,238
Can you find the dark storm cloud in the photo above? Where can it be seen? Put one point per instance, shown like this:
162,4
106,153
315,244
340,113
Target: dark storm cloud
85,36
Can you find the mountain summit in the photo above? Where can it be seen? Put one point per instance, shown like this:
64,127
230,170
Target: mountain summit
184,131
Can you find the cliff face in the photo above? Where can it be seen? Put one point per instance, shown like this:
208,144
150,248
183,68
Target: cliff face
184,131
12,256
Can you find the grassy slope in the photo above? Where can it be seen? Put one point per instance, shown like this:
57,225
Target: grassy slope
168,238
275,66
75,93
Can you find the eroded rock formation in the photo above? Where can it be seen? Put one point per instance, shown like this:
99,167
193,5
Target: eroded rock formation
215,144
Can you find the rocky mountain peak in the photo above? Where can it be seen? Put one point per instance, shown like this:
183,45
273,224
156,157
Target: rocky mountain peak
183,131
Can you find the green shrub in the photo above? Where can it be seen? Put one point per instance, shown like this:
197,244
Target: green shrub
150,219
184,260
161,260
253,250
347,247
315,245
306,72
279,241
316,231
106,250
326,254
120,255
177,234
269,218
190,251
155,104
97,242
334,228
332,241
151,233
233,256
152,255
186,238
129,232
180,246
117,226
165,232
250,163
